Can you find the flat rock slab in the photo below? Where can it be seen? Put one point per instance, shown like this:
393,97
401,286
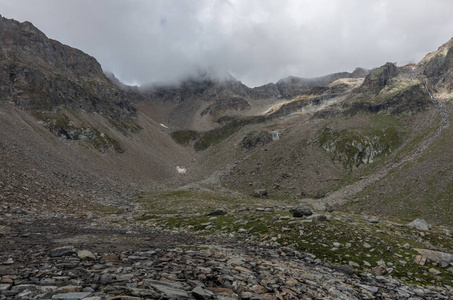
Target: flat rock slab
62,251
443,259
72,296
200,293
170,289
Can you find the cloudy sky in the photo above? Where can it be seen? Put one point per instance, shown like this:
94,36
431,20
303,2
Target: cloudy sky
256,41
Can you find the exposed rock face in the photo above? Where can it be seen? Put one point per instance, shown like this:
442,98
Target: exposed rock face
378,78
438,68
256,138
214,96
45,77
40,73
407,101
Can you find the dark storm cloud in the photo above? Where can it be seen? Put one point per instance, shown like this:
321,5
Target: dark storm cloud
256,41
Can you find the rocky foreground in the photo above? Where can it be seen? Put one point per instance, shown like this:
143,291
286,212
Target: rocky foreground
115,257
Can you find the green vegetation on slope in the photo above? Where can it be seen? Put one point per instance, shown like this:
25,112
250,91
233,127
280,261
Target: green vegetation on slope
354,147
184,137
62,126
215,136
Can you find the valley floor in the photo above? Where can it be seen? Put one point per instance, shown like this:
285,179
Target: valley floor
173,255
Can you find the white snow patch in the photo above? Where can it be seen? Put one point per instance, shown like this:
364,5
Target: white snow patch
181,170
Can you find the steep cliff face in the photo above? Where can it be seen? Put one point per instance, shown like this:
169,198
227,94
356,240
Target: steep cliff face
37,73
437,68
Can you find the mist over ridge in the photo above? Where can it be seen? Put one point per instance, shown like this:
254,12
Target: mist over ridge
257,42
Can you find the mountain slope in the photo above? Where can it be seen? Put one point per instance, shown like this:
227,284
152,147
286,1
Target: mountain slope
66,125
383,150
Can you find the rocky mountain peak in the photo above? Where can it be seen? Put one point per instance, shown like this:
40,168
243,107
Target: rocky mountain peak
441,51
360,73
437,68
378,78
39,73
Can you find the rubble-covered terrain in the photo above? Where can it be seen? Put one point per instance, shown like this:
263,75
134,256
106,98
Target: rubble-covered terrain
121,257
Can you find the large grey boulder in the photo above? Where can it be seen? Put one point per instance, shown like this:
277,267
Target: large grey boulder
301,211
263,193
420,224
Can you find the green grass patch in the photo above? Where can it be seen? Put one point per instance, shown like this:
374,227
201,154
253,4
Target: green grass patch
215,136
184,137
357,146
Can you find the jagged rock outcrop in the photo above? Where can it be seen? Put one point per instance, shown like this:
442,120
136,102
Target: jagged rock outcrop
378,78
37,73
437,68
406,101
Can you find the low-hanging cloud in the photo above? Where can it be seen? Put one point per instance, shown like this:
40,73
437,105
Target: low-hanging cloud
257,41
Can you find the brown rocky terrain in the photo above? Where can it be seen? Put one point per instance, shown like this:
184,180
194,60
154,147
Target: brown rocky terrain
116,192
